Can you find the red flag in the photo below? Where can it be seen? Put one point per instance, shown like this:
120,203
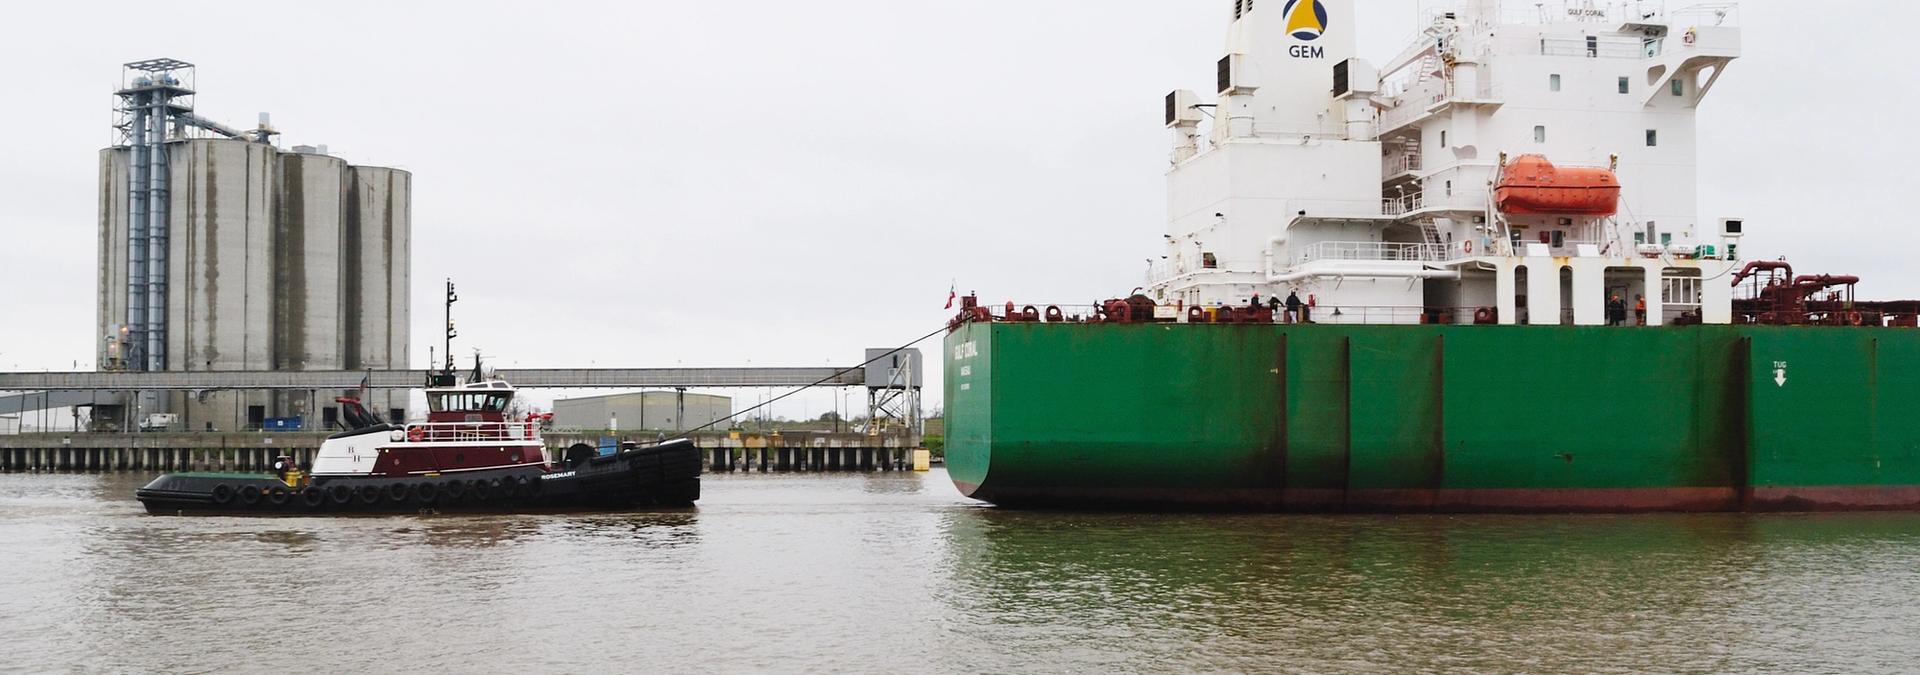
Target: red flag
952,292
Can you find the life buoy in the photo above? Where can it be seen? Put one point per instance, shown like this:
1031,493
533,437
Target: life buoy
222,494
1692,36
250,495
416,434
1469,245
1856,319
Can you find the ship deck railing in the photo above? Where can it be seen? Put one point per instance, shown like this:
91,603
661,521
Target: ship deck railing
1375,251
443,432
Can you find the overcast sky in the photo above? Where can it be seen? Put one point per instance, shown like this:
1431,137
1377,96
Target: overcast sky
654,183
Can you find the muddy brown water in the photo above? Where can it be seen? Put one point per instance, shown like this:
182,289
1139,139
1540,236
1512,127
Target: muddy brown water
892,573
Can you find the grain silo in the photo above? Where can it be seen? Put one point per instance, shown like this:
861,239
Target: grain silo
221,251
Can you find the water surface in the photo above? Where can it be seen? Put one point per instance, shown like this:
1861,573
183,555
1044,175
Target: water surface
898,573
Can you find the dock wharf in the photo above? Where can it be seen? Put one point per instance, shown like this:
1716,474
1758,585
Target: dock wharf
802,451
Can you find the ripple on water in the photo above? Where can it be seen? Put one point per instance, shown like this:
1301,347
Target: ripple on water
892,573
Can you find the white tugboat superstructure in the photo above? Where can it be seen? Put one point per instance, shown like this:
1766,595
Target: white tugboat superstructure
1371,191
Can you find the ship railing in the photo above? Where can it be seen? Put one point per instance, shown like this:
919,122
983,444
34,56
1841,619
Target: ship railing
1321,312
1167,270
437,432
1413,105
1381,315
1328,129
1404,204
1373,250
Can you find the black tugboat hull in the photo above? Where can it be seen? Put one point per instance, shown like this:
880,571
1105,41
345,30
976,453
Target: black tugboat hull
665,475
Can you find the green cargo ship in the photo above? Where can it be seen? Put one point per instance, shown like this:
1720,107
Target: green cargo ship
1434,418
1499,296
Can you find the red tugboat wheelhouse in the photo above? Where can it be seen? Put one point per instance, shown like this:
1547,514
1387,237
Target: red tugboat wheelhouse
466,456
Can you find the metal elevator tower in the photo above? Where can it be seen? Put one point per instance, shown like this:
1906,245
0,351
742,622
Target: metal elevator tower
153,95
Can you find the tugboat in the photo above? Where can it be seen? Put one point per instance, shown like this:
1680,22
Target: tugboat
466,457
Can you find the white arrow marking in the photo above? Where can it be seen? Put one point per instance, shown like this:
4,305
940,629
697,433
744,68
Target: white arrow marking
1780,376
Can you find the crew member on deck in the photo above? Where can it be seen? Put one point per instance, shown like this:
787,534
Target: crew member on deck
1616,310
1293,307
1640,308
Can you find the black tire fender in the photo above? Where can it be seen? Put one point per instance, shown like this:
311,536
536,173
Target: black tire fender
250,495
222,494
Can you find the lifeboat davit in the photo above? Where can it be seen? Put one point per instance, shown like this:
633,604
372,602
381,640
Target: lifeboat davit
1531,185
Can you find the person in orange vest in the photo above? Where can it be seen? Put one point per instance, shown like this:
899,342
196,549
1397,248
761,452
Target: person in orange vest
1640,308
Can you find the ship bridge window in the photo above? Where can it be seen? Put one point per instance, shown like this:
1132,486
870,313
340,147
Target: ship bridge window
467,402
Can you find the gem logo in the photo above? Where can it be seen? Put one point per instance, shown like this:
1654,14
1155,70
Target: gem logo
1306,19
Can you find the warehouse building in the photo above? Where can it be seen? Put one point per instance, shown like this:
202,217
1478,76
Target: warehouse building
642,411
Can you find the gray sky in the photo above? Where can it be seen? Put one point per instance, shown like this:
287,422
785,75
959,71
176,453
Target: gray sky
661,183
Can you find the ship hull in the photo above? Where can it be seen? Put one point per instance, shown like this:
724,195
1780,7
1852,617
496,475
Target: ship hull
1442,419
667,475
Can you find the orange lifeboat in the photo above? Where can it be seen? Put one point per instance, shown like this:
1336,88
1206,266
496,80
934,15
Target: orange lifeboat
1531,185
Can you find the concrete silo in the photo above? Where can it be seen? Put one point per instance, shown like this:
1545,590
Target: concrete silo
376,277
220,251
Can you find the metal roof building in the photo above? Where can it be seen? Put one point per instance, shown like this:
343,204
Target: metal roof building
643,410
